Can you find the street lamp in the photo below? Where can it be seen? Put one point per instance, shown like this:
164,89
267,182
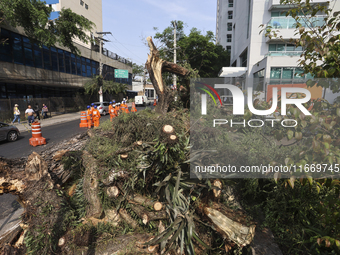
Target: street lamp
100,61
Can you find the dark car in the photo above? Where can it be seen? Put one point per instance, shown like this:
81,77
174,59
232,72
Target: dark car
8,132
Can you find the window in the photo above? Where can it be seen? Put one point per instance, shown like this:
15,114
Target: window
38,56
28,52
67,62
228,48
243,58
288,75
228,37
258,81
86,7
17,49
230,26
81,2
5,46
46,56
73,64
83,66
230,3
79,66
61,60
54,57
230,14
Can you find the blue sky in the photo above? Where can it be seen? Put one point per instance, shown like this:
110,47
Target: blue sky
131,21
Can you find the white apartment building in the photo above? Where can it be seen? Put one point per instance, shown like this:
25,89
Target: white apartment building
224,23
256,60
90,9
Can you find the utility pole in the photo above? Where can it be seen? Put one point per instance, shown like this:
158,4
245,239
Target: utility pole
174,23
100,62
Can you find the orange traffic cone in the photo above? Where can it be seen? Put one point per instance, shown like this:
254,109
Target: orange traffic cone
37,138
155,102
133,108
83,120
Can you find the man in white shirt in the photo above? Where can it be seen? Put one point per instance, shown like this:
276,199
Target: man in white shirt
29,113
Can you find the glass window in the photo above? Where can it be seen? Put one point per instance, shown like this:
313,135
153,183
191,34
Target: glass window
298,48
46,56
230,14
38,57
258,81
94,71
83,66
275,14
20,91
287,73
290,47
275,73
3,93
228,49
228,37
5,46
280,47
230,26
67,62
54,56
61,60
230,3
28,52
79,68
17,49
272,47
88,73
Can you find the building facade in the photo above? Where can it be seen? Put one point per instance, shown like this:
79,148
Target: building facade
29,72
224,23
266,61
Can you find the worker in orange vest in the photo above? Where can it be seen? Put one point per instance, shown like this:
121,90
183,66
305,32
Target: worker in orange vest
96,116
92,108
125,107
89,116
112,112
110,106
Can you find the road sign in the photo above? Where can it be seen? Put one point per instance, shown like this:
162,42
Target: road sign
121,73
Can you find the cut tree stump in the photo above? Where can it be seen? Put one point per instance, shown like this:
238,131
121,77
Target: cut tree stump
112,192
167,129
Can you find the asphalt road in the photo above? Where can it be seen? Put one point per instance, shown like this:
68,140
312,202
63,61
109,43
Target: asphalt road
53,135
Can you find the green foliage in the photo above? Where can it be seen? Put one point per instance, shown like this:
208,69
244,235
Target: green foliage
137,70
305,220
33,17
195,50
92,86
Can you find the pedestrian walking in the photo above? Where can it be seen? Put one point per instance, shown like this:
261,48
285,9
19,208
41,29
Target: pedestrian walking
29,113
16,112
96,116
37,110
44,111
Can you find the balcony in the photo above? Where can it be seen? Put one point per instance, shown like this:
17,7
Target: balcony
290,23
275,4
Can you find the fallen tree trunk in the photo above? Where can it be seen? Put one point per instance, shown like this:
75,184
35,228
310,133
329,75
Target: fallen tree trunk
139,199
148,216
91,186
233,225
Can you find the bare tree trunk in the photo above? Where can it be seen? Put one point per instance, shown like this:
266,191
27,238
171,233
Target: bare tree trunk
156,66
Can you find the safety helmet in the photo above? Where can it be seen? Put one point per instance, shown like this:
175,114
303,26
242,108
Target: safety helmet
95,107
88,107
110,102
124,101
114,101
92,104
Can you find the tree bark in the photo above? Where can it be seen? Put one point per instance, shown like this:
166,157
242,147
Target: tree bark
91,186
148,216
156,66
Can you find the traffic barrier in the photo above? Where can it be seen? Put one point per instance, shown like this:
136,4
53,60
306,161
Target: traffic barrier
37,138
83,120
155,102
133,108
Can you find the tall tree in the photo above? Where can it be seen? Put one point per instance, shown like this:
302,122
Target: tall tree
137,70
33,17
197,50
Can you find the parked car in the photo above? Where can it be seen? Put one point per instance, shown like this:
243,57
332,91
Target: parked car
8,132
103,107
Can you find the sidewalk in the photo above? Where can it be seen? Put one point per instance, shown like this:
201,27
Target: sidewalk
60,118
23,126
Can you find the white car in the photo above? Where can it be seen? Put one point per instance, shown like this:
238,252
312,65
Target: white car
102,107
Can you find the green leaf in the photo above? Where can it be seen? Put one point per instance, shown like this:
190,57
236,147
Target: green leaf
290,134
